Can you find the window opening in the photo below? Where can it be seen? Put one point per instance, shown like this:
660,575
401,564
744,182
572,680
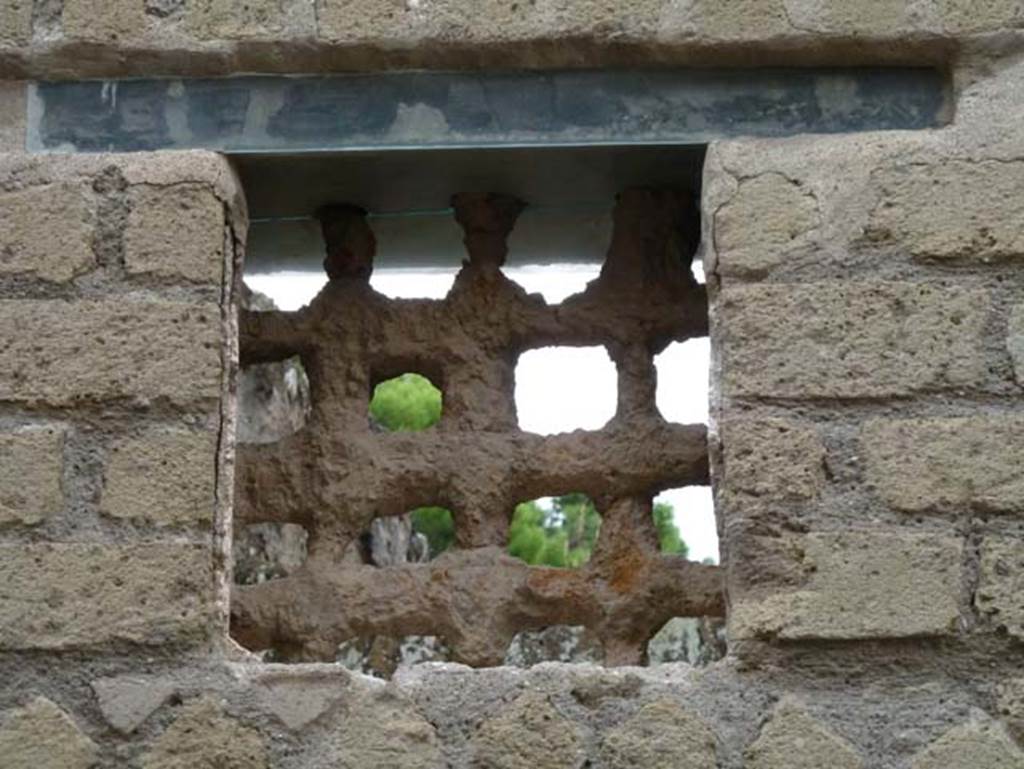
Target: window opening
561,389
406,403
555,531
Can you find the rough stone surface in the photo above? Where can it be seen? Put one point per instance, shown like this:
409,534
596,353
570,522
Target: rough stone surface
1015,342
952,210
204,737
64,353
31,466
661,735
861,585
251,19
12,111
1000,593
298,699
850,340
378,729
772,458
32,246
1010,704
947,464
162,476
15,22
978,744
74,595
42,736
528,734
175,232
114,22
127,701
769,218
792,739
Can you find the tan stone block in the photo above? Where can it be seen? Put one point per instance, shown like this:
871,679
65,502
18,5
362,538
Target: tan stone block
47,232
31,466
61,596
951,210
1010,702
772,459
978,745
769,219
1015,342
792,739
63,353
528,734
15,22
850,339
299,697
104,21
860,585
947,464
175,232
712,20
863,18
127,701
251,19
1000,593
378,729
162,476
972,16
13,112
204,736
42,736
661,735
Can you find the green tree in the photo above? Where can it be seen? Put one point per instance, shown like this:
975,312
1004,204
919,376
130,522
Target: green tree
407,402
668,533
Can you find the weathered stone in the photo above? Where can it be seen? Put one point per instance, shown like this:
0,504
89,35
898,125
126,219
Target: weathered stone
1015,341
1000,593
379,729
772,458
971,16
861,585
162,476
31,465
127,701
768,219
69,352
864,17
1010,702
850,340
528,734
12,110
42,736
792,739
204,736
76,595
47,232
116,22
952,210
251,19
661,735
978,744
947,464
15,22
299,699
175,232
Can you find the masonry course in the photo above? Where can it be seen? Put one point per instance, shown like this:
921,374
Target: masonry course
31,474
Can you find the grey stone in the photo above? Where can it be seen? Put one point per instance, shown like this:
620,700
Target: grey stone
42,736
979,744
127,701
661,735
792,739
528,734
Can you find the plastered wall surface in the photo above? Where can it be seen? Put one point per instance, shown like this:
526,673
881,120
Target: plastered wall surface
866,299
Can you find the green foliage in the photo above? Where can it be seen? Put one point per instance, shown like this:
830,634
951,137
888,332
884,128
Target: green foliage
668,535
407,402
436,524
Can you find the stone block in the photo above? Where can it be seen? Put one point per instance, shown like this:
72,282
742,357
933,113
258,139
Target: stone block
961,17
850,339
62,596
13,107
31,466
127,701
860,585
863,18
964,210
202,735
162,476
768,219
1010,704
947,464
298,698
47,232
771,459
175,232
42,736
120,22
661,735
1015,342
1000,593
63,353
252,19
978,744
528,734
793,739
15,22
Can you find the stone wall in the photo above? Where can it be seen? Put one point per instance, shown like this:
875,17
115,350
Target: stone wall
866,300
